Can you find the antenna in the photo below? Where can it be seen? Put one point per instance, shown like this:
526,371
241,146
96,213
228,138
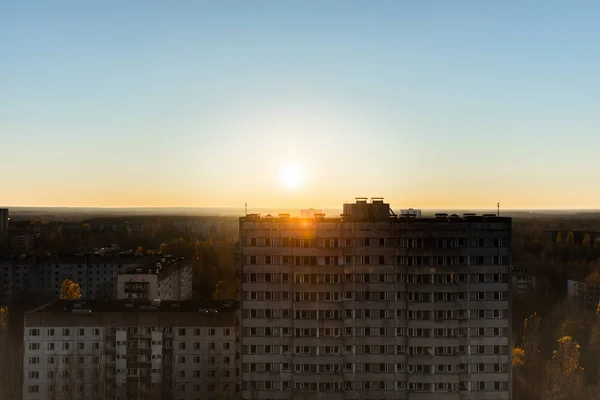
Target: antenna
246,208
498,205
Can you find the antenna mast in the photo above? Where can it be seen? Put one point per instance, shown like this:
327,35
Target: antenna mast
498,205
246,208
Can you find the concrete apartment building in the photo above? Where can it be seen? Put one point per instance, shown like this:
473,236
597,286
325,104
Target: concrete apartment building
122,350
95,274
170,278
3,220
584,295
372,305
15,278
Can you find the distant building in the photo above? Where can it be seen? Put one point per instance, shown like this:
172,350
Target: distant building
375,305
124,350
95,274
166,279
584,295
3,220
15,278
522,283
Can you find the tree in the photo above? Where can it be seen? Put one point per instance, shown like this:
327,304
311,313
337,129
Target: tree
593,278
224,290
559,239
139,251
570,238
3,318
70,290
586,240
531,336
149,252
563,377
518,357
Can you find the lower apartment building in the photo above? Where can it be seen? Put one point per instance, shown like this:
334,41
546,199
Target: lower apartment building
373,305
169,278
121,350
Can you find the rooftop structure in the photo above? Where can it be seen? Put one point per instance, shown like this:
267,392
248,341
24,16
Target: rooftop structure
168,278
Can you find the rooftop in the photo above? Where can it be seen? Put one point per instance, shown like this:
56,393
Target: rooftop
157,266
375,210
99,306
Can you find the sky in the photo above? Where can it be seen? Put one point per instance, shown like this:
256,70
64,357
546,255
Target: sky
429,104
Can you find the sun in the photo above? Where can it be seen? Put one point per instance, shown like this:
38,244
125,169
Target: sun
291,176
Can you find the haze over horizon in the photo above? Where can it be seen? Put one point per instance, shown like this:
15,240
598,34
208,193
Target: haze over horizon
428,104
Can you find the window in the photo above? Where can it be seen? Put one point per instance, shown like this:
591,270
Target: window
211,332
33,389
65,346
66,332
34,374
81,332
50,332
34,332
34,346
181,332
34,360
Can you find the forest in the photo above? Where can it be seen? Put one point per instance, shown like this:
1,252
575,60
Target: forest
556,345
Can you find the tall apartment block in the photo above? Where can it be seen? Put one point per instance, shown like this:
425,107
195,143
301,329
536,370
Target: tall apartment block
130,350
3,220
374,305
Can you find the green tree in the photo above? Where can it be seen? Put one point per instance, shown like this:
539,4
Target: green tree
70,290
559,239
139,251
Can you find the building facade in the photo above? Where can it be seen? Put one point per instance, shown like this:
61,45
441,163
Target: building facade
373,305
170,278
3,220
584,295
120,350
95,274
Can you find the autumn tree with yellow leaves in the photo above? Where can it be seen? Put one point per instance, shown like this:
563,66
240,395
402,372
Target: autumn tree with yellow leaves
224,290
70,290
563,378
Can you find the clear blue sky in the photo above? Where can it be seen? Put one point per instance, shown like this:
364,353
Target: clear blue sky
197,103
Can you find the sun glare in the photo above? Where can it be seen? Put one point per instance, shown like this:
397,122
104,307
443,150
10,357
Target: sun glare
291,176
